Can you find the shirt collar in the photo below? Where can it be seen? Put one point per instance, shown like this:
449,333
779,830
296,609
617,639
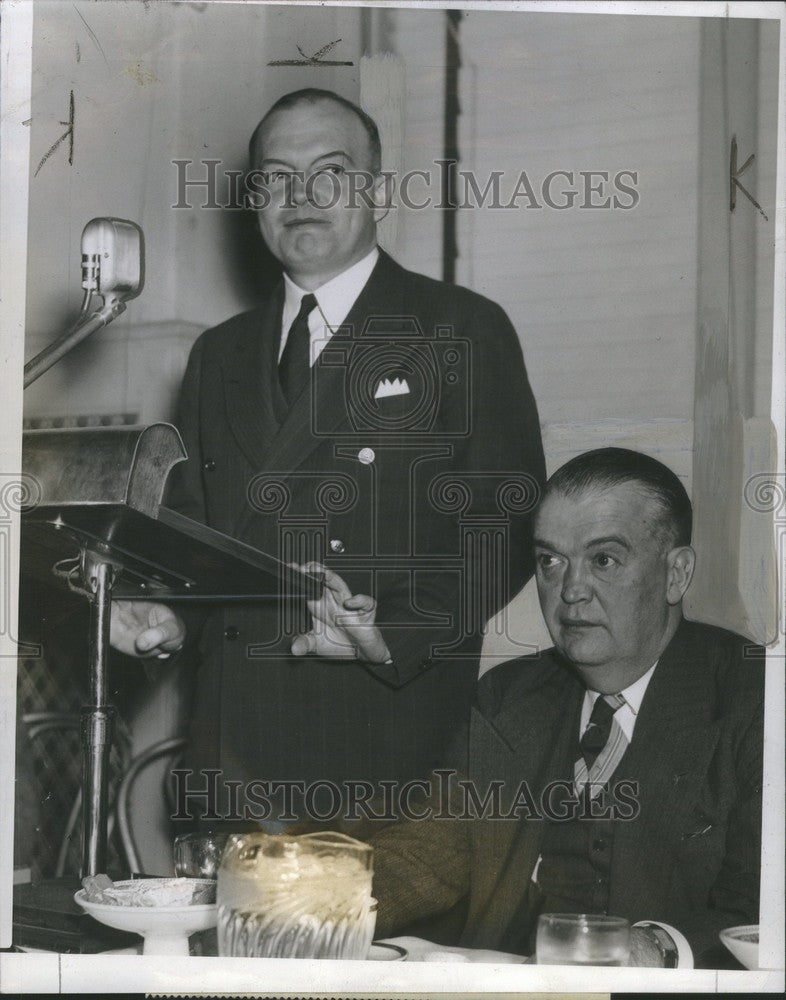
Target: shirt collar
336,297
634,693
626,715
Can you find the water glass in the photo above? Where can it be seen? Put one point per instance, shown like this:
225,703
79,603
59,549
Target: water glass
582,939
306,896
198,855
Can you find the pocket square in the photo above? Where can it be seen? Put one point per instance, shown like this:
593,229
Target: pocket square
398,387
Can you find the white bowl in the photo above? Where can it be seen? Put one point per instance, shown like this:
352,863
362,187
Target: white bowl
165,929
746,952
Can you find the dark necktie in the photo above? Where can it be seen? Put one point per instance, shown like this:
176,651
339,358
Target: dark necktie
602,746
293,368
596,735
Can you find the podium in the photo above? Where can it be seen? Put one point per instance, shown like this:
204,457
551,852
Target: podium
93,522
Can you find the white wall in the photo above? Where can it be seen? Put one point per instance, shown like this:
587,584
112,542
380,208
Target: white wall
604,300
419,39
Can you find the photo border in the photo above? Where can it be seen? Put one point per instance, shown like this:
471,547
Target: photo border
96,973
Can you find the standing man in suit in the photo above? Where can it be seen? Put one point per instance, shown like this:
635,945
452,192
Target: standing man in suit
628,758
366,417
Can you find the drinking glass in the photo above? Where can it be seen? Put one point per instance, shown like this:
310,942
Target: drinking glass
582,939
198,855
306,896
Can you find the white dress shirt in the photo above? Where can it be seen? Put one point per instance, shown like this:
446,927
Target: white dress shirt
334,300
626,714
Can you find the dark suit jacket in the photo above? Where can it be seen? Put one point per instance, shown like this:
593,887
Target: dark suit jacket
395,493
690,858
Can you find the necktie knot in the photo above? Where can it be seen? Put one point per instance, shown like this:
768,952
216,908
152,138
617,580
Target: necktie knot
597,733
293,368
307,305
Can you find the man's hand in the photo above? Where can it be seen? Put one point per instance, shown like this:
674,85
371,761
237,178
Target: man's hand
141,628
343,623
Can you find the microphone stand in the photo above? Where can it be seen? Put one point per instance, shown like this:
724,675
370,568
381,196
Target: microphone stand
82,329
97,720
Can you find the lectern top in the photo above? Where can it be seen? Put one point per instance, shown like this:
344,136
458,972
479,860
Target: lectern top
127,465
99,496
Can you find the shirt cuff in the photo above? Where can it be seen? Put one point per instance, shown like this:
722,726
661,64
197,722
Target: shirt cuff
684,956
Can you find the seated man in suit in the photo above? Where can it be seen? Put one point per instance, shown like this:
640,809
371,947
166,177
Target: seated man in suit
619,772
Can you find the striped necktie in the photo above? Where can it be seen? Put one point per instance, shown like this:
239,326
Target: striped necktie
602,746
293,368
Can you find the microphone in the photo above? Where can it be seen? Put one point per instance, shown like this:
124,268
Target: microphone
112,258
112,268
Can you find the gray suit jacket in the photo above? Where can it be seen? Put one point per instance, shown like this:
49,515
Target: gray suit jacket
690,858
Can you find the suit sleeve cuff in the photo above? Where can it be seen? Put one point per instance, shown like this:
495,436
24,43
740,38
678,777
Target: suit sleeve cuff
408,657
678,954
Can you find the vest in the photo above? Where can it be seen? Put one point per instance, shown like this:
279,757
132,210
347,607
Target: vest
576,852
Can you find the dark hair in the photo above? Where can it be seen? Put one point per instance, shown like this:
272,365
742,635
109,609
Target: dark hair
310,95
611,466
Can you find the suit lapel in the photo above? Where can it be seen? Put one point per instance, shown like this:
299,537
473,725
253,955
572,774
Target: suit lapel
322,405
675,730
675,737
248,373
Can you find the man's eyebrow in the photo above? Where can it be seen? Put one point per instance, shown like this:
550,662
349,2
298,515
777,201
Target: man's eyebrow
268,161
541,543
333,152
609,540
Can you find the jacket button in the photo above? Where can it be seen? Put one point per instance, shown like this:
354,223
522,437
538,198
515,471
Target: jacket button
599,844
231,633
366,456
336,545
209,465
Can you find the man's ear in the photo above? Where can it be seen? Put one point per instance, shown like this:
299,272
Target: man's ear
382,195
680,563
